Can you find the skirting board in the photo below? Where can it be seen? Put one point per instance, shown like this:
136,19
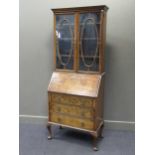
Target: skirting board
109,124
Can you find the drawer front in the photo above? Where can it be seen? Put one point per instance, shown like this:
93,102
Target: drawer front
72,100
71,121
73,111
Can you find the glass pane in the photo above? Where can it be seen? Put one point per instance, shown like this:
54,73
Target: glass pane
89,41
64,41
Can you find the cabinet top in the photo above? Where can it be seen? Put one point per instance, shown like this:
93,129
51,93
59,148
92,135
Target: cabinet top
78,9
75,84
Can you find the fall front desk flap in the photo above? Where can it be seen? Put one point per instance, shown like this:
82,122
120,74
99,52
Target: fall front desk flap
75,83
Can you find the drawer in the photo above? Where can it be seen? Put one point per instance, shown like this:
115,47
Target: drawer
73,111
71,121
72,100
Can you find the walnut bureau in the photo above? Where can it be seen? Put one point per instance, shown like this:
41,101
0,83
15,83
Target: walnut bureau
75,91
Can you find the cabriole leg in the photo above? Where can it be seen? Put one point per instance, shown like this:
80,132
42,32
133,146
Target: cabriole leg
95,140
49,131
101,131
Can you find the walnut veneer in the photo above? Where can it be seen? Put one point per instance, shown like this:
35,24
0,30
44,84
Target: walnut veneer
75,92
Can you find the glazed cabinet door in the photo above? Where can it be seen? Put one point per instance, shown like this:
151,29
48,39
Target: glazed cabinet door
89,41
78,41
64,41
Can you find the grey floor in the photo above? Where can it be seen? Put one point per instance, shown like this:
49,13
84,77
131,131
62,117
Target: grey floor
33,141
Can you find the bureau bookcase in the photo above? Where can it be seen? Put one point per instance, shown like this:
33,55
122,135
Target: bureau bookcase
75,91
